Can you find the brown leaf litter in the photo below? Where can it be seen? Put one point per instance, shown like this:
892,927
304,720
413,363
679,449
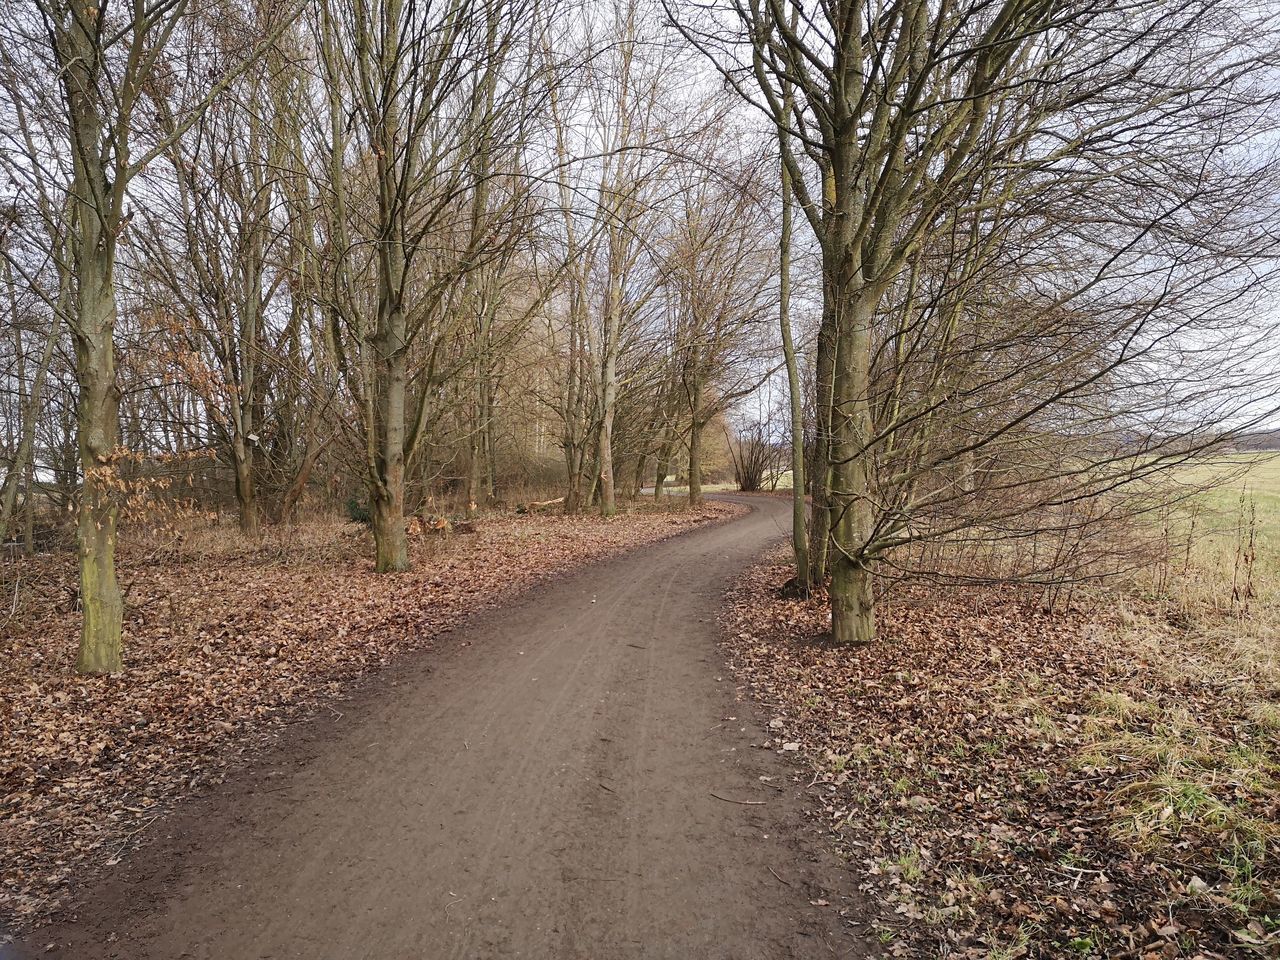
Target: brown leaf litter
221,652
1010,783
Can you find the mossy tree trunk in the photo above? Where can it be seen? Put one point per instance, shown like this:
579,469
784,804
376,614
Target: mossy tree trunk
97,198
695,461
799,531
246,498
97,423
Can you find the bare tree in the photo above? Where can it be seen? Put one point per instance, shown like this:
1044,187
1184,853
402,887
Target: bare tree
428,88
215,257
616,136
719,273
110,67
982,130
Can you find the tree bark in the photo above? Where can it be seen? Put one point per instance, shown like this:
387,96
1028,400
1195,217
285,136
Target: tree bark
391,543
608,389
853,615
820,481
608,501
246,498
98,426
695,462
853,618
386,488
389,347
96,216
799,533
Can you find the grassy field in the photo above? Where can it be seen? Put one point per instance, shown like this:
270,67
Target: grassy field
1247,501
1206,761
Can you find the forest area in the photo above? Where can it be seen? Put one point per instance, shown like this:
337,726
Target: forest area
337,331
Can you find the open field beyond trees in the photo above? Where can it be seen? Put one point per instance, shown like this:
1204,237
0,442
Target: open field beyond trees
1102,781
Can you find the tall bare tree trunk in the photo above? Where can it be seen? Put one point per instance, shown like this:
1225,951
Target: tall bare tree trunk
799,533
853,619
695,461
96,220
609,399
389,347
98,426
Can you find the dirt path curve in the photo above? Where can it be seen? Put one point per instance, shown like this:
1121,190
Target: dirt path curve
539,787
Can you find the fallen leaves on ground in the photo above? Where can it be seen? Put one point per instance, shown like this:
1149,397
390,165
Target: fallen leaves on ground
220,653
1010,783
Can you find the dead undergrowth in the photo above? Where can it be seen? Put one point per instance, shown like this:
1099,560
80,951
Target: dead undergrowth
1099,783
225,642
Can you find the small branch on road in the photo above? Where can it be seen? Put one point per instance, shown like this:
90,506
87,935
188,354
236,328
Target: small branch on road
591,779
745,803
115,857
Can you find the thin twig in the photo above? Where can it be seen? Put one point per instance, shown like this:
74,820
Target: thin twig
745,803
115,857
591,779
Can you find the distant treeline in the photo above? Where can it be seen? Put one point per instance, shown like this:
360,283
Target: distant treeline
1261,440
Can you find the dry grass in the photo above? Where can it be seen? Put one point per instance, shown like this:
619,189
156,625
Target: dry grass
1100,779
1223,546
1208,618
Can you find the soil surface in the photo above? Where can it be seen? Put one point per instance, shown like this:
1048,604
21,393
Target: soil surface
566,777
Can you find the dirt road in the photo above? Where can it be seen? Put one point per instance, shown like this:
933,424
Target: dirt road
555,781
